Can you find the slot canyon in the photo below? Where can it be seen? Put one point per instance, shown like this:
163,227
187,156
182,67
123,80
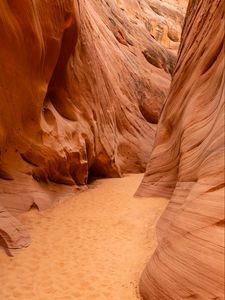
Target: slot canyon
112,149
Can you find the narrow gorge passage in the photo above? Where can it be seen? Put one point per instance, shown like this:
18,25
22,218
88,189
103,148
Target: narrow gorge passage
93,246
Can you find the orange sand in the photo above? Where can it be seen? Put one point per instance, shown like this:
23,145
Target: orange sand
93,246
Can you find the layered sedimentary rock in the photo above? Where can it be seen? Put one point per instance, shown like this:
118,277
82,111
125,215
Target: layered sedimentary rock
187,165
82,85
163,19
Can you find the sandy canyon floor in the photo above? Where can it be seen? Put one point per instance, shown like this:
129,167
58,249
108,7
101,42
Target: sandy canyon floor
93,246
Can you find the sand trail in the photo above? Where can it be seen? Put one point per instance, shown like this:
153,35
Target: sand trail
93,246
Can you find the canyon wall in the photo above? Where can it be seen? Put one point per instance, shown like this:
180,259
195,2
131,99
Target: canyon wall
82,86
187,166
163,19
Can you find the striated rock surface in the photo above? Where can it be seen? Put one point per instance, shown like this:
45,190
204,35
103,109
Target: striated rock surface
82,85
164,20
187,165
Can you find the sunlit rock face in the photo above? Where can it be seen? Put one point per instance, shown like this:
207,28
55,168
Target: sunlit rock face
82,86
187,165
166,22
163,19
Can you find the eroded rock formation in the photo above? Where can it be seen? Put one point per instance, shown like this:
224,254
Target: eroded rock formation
79,95
163,19
187,165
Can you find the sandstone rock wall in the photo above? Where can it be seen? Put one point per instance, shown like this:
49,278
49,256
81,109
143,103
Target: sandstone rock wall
187,165
82,85
164,20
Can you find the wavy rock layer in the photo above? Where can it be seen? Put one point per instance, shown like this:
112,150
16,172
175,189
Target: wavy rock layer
164,20
78,98
187,164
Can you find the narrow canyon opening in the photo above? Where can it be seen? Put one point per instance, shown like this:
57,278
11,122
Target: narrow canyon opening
112,150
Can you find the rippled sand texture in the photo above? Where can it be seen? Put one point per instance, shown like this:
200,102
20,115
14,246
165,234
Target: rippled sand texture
93,246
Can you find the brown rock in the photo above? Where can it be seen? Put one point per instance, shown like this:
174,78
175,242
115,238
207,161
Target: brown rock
187,165
13,235
165,20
